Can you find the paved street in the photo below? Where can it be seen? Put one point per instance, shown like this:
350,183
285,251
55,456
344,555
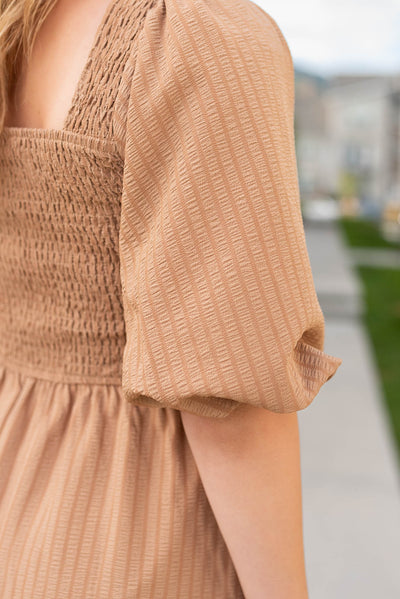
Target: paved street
351,490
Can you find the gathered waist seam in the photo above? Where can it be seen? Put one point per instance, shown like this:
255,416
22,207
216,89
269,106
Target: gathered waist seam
57,377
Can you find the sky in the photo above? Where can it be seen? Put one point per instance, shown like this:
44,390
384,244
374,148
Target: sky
329,37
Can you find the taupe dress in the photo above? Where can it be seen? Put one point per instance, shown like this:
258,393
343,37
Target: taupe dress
152,260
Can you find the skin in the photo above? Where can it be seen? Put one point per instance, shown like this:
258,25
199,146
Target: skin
45,87
249,464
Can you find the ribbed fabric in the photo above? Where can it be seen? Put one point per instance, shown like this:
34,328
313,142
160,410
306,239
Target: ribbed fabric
101,499
152,260
219,297
59,269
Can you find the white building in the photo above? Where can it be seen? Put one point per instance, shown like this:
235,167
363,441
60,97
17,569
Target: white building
348,136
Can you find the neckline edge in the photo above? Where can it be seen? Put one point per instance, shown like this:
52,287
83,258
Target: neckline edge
57,132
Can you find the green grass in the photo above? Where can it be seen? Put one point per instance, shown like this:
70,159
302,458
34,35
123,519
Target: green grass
364,233
382,318
382,312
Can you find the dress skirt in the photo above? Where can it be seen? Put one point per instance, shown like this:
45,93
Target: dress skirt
101,499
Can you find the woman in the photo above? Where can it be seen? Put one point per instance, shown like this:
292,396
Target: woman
159,325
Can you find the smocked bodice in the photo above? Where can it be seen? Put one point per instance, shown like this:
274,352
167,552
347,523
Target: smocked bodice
61,311
59,269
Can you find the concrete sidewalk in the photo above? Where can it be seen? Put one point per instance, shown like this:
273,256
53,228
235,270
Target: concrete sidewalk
381,257
351,491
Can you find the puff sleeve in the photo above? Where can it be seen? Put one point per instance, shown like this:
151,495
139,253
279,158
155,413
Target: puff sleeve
219,300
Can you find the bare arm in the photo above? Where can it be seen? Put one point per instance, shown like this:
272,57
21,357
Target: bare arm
249,463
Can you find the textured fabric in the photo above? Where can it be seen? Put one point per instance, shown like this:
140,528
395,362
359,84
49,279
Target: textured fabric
101,499
152,260
219,297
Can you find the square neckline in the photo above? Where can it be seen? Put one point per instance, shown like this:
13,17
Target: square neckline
63,131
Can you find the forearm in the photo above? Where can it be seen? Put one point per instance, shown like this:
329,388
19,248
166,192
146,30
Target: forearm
249,464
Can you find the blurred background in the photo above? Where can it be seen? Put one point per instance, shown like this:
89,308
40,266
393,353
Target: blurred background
347,129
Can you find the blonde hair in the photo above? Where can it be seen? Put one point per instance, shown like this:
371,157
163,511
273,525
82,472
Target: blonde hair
20,21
